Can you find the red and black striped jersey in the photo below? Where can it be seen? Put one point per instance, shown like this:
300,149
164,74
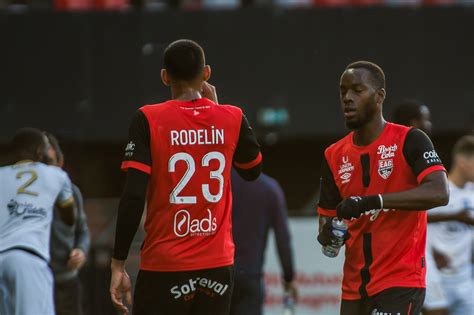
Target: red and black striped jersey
387,247
188,149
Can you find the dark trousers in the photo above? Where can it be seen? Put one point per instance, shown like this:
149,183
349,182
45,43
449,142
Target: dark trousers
404,301
68,297
197,292
248,295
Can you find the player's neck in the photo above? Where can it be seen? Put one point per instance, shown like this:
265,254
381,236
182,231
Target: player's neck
368,133
456,177
185,93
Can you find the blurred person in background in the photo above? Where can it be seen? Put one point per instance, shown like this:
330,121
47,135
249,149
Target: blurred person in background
29,192
413,113
450,234
69,246
381,178
178,159
258,207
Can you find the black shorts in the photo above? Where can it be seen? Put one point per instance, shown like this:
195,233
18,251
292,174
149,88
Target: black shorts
197,292
392,301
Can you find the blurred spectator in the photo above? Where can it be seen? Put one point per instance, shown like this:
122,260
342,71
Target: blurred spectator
69,246
258,207
220,4
450,236
413,113
29,192
294,3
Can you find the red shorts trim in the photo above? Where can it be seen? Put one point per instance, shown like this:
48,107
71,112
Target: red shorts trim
246,166
327,212
137,165
430,170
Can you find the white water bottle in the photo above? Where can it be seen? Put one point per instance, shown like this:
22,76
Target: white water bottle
339,229
288,304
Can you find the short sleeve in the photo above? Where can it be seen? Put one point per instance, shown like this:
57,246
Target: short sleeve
247,154
65,197
329,196
137,151
420,154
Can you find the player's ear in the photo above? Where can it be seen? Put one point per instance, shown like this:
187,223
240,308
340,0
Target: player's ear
165,78
380,97
206,73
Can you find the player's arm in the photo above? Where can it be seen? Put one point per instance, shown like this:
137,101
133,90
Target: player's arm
279,222
82,238
67,212
462,216
329,198
137,163
65,202
247,157
431,192
130,211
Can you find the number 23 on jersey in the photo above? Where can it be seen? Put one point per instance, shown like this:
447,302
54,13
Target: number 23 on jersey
175,198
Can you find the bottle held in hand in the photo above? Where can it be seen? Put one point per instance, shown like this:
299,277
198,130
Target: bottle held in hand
339,229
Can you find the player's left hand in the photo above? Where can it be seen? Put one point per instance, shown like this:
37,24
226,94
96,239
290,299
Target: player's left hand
291,289
326,236
77,259
354,206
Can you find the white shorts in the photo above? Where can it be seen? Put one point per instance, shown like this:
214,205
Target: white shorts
26,284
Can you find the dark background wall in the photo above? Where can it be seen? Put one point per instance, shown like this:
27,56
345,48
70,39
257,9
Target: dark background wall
81,76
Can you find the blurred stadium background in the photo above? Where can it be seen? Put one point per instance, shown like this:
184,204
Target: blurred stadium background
80,68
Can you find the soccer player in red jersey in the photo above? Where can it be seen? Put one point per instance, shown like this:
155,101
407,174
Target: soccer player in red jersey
178,159
381,178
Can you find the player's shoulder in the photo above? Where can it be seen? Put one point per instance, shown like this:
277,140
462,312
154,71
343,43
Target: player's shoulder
398,128
270,182
53,170
337,146
40,168
149,108
229,109
400,132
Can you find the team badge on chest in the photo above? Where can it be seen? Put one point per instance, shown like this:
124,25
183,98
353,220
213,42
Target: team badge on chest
385,163
385,168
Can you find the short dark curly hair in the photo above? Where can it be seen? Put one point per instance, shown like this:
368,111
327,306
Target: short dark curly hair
378,76
184,59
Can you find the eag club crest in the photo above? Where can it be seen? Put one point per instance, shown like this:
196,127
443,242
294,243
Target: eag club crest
385,168
386,154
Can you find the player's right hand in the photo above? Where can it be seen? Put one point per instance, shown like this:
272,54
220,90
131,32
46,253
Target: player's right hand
120,285
326,237
209,91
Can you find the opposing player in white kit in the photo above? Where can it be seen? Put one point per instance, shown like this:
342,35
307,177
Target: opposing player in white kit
449,236
28,191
